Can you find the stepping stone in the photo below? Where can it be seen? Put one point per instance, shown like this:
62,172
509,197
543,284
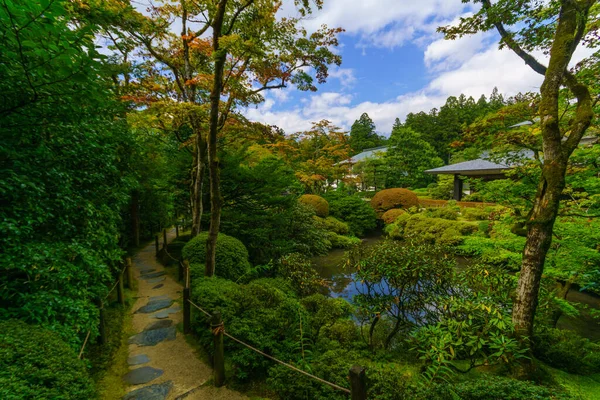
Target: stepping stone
147,271
142,375
155,306
159,324
158,391
137,360
158,286
161,297
156,280
153,275
165,313
153,337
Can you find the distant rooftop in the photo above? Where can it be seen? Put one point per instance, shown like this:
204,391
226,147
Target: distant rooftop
367,154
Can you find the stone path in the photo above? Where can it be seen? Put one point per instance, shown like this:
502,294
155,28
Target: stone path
163,366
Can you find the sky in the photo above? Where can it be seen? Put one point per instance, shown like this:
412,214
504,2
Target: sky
393,63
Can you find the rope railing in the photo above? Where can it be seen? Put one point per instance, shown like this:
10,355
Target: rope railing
333,385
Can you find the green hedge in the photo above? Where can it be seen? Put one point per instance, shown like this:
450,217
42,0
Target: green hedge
231,257
317,203
36,364
421,228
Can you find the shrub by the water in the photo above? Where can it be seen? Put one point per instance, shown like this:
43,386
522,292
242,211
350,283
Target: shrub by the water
353,210
391,215
393,198
567,350
231,257
420,228
332,224
319,204
36,364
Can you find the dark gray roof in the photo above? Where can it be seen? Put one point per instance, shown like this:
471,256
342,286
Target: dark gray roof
473,167
375,152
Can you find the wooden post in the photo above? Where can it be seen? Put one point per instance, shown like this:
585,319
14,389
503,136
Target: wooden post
187,309
164,238
458,188
216,325
156,245
358,383
180,271
129,273
177,229
101,327
120,290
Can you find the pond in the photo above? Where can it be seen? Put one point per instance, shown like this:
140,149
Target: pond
332,267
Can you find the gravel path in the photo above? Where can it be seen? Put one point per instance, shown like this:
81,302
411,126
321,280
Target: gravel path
162,364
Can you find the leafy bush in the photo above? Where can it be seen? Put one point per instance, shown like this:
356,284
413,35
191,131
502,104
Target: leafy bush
393,198
420,228
390,215
298,269
333,224
231,256
36,364
443,189
500,388
318,203
567,350
450,213
353,210
341,241
475,214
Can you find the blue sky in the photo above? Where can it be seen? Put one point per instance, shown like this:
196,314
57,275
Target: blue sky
394,62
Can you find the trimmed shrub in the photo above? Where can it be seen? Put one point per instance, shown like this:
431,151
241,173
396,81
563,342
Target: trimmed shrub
391,215
393,198
36,364
317,203
353,210
443,212
429,230
475,214
231,258
341,241
567,350
332,224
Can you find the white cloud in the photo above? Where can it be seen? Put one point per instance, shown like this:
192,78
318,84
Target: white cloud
344,75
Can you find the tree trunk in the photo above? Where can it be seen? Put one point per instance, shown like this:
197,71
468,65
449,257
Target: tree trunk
562,294
216,200
135,217
197,186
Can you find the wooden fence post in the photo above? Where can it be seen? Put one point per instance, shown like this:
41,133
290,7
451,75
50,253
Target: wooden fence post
187,310
156,245
358,383
120,290
180,271
177,229
101,327
165,238
129,273
216,325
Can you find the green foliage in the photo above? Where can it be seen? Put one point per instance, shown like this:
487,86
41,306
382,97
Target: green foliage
36,364
443,189
64,162
353,210
475,214
341,241
393,198
333,224
447,212
399,284
363,135
420,228
566,350
407,157
231,256
501,388
298,269
317,203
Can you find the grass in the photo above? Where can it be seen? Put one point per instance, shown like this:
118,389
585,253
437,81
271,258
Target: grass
578,386
109,362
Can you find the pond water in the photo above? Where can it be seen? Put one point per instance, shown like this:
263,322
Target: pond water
332,267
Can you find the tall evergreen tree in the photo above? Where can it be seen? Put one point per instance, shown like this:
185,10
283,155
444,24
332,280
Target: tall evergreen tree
363,135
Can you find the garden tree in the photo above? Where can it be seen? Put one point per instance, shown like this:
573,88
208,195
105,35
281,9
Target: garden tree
371,172
319,156
65,162
363,135
558,28
407,157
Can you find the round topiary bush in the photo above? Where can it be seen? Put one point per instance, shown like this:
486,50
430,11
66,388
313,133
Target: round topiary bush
231,258
36,364
393,198
390,216
317,203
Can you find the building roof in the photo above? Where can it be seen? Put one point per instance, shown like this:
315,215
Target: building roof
367,154
473,167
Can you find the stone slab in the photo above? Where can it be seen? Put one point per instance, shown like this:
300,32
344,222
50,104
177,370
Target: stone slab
153,337
153,275
165,313
155,306
158,325
156,280
161,297
147,271
158,286
142,375
137,360
158,391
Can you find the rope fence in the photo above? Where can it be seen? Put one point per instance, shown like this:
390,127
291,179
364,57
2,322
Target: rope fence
357,374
